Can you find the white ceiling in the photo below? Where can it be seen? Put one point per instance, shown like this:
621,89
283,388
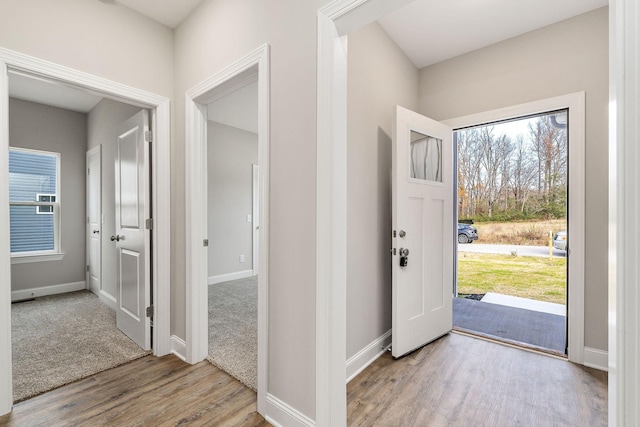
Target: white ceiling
168,12
238,109
430,31
34,89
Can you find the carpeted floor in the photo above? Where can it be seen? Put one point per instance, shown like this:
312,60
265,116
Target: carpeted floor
233,329
62,338
543,331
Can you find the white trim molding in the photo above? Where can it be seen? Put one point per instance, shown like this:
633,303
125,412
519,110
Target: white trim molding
575,103
365,357
624,216
253,65
597,359
179,348
10,60
212,280
280,414
25,294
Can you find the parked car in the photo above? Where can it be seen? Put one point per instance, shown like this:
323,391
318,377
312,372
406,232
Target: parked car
467,233
560,240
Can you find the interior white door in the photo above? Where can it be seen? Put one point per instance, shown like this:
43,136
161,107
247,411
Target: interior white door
423,231
132,240
94,219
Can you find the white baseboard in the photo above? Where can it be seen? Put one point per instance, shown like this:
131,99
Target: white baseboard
230,276
108,299
280,414
365,357
597,359
179,348
47,290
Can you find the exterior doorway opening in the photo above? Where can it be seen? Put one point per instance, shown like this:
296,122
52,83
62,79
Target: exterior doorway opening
512,209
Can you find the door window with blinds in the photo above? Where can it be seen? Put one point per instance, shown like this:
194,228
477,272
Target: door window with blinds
34,189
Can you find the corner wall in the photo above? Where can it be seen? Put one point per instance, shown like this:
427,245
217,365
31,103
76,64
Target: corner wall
563,58
380,76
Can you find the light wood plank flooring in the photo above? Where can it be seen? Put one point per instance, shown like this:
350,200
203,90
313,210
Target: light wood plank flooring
146,392
464,381
456,381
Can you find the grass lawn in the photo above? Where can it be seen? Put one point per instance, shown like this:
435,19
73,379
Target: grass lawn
537,278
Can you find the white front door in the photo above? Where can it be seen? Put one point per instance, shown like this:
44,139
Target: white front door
94,219
132,240
423,228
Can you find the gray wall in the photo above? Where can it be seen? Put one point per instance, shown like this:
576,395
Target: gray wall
567,57
102,124
107,40
380,76
41,127
231,153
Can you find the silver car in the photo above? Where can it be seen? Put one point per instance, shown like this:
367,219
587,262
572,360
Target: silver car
560,240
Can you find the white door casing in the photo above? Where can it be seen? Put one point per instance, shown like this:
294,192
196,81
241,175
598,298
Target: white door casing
94,219
575,103
196,101
132,240
422,220
255,217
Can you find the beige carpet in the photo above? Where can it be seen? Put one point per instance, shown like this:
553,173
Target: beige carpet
63,338
233,329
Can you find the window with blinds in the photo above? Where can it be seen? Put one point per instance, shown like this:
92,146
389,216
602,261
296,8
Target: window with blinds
34,201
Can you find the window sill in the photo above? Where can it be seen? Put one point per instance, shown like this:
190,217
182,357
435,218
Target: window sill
27,258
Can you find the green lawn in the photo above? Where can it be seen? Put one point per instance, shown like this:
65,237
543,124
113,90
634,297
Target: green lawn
535,278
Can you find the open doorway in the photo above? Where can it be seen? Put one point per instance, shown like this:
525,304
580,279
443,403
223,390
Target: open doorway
473,82
66,320
221,242
233,251
45,114
512,210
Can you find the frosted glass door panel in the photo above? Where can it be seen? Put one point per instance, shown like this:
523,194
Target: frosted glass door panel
426,157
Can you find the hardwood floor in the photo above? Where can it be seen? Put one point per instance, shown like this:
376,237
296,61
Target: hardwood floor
456,381
464,381
146,392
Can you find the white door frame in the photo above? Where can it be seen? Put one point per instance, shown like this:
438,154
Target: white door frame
342,16
159,106
624,217
196,101
255,218
90,153
575,102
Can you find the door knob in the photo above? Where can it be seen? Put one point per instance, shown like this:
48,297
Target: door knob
96,231
117,238
404,252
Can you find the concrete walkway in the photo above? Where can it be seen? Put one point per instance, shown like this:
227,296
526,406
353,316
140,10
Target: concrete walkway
527,304
538,251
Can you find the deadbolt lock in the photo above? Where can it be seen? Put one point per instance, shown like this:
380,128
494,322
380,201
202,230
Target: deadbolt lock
404,252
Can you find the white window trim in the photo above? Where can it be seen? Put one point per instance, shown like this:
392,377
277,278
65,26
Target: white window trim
27,257
40,256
